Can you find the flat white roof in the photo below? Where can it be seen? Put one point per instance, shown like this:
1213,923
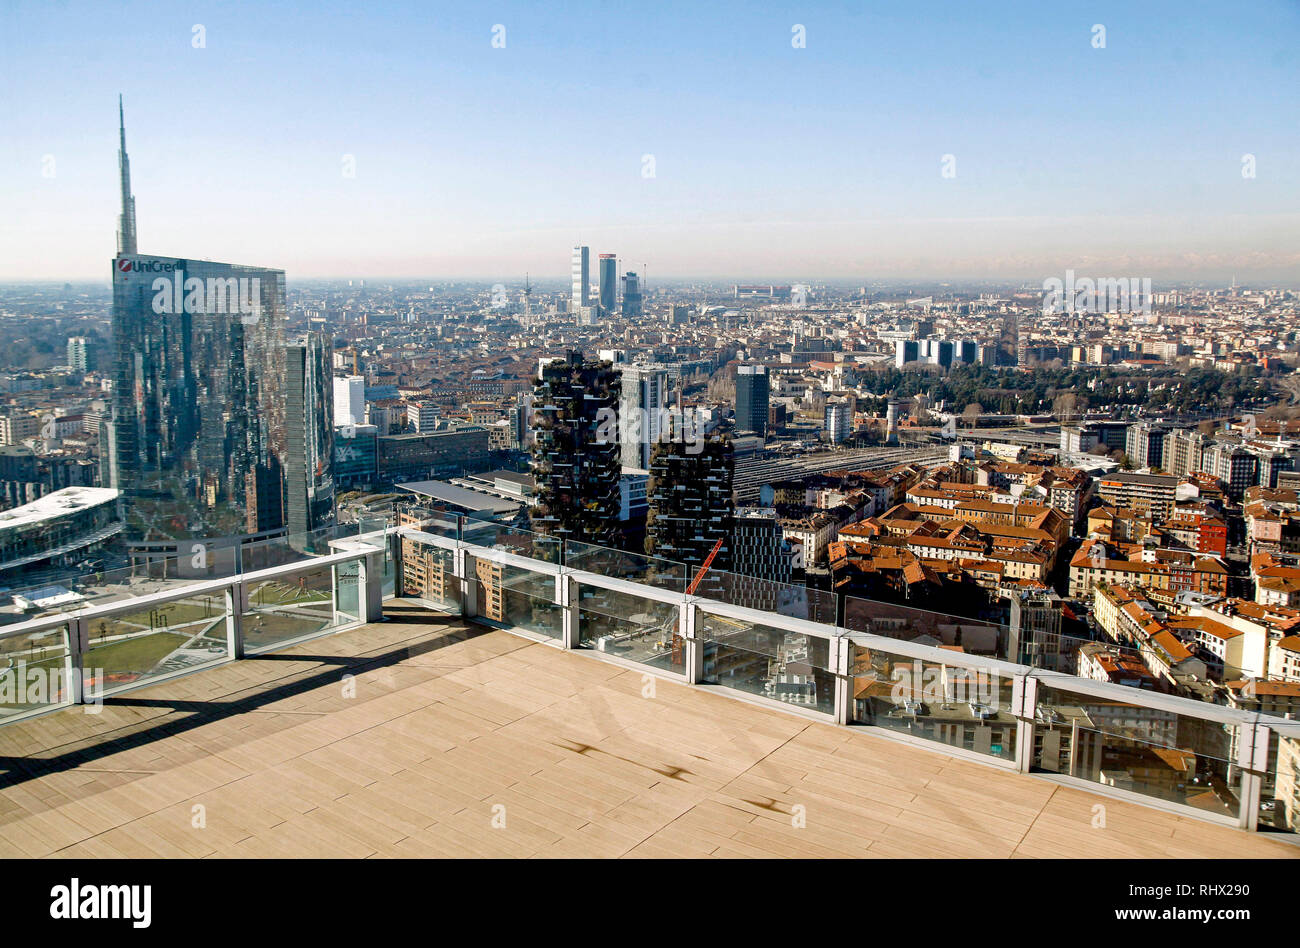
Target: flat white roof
60,503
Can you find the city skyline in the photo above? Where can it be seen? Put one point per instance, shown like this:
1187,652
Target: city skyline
731,150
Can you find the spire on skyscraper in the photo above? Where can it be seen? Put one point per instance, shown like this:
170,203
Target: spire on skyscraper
126,223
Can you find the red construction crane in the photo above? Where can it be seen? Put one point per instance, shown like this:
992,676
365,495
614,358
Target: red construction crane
708,561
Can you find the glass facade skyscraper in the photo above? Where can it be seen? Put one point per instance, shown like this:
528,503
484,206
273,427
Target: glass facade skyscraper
751,398
309,434
608,277
198,397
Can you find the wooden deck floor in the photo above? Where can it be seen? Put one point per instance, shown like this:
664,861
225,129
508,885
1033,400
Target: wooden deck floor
453,728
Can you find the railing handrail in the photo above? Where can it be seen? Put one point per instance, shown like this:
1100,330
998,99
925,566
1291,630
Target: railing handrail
202,587
1102,690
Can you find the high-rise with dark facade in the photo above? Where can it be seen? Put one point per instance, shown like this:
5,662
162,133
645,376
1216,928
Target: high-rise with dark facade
608,276
576,449
309,434
632,301
691,502
751,399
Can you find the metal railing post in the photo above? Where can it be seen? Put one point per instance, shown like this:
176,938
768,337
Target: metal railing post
567,597
371,593
1252,759
466,572
841,661
1024,705
78,645
236,599
692,642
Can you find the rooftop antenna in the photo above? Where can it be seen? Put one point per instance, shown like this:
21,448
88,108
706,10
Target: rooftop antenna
528,297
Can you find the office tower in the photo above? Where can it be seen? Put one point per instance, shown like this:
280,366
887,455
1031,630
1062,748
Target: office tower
350,400
309,434
1009,340
1181,452
80,354
691,504
642,409
762,561
126,240
681,315
1234,465
838,421
941,353
905,351
575,459
422,417
631,295
608,277
198,394
356,452
581,278
751,399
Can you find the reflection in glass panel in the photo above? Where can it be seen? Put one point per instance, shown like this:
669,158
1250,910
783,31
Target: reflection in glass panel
769,662
632,627
288,608
347,591
164,639
1146,750
1279,807
752,592
517,598
428,573
389,578
633,567
34,672
954,705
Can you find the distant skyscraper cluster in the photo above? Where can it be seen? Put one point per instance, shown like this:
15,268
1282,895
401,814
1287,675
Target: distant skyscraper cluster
606,302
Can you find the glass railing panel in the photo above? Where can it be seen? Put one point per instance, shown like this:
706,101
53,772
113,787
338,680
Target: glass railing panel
753,592
510,597
512,539
34,672
289,607
134,647
428,573
949,704
632,567
631,627
347,591
1131,746
1279,805
389,578
72,594
763,660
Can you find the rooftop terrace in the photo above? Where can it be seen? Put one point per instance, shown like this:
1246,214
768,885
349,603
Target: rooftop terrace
450,720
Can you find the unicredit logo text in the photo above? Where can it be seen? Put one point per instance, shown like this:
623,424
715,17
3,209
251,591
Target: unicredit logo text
149,266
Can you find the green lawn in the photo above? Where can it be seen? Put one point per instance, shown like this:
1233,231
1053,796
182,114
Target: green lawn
134,655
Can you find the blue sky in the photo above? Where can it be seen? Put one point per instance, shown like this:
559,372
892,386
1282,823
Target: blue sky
769,161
